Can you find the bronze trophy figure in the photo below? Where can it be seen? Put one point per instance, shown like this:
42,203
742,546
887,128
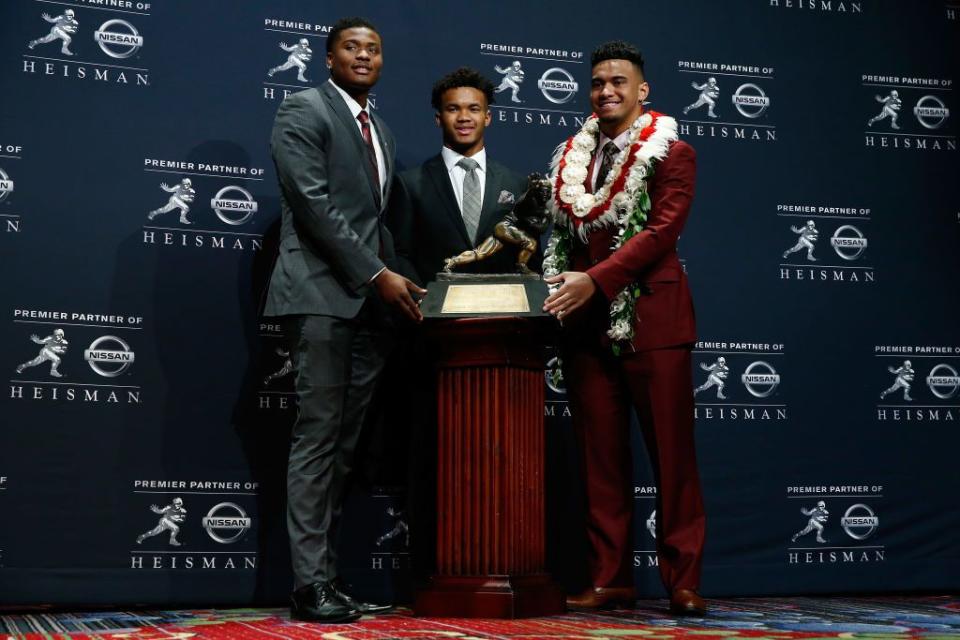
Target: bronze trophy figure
521,228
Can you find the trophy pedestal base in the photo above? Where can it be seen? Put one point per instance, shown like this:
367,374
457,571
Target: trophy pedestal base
491,547
489,597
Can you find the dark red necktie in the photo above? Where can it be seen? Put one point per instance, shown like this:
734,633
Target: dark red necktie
364,119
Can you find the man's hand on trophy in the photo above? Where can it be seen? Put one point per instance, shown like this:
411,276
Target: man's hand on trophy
396,290
576,288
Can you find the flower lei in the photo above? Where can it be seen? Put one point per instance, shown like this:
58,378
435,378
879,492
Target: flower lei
621,201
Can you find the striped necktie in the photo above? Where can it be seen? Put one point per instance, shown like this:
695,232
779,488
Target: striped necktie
364,119
471,196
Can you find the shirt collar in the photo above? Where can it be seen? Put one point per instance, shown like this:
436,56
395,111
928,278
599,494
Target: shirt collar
451,158
352,104
621,140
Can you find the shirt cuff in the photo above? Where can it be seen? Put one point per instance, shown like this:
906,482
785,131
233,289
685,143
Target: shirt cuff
370,281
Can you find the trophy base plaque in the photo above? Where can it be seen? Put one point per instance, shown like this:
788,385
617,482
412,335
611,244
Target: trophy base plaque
461,295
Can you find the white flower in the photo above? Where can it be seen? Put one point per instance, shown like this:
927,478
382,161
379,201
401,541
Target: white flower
584,142
591,125
618,305
634,182
620,330
574,174
621,200
570,192
576,156
583,205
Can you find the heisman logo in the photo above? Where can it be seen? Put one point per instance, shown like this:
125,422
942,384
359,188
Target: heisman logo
226,517
400,530
64,26
860,522
808,238
904,377
300,55
891,109
182,194
512,78
557,85
943,381
6,185
818,516
171,517
117,361
709,92
848,242
52,347
717,374
234,211
760,379
652,524
118,38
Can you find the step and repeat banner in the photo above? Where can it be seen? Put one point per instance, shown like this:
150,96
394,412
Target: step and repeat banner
147,407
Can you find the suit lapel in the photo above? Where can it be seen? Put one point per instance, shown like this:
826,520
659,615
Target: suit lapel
386,147
491,196
437,171
339,107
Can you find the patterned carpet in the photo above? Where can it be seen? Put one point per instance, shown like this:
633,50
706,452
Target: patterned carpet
932,618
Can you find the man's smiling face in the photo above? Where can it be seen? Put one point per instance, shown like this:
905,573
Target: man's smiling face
617,92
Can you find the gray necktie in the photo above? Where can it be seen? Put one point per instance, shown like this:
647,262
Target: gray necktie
471,196
609,152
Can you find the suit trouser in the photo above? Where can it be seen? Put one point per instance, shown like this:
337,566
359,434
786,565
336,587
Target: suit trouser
337,363
658,384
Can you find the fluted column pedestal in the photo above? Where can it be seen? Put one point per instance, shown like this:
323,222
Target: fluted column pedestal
490,493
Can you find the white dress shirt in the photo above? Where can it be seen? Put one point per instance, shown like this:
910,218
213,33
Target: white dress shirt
457,174
355,110
621,142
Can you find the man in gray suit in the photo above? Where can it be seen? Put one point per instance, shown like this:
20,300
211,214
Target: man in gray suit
333,291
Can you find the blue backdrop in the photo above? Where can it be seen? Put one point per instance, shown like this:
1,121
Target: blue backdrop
164,392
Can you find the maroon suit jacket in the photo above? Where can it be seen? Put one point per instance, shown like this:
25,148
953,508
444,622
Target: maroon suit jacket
664,313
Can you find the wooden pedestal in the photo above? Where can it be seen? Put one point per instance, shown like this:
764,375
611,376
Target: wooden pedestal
490,494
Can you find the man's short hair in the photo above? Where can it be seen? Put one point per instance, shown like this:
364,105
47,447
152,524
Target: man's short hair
617,50
462,77
343,24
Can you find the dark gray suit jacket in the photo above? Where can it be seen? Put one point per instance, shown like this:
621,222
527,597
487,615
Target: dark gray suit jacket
331,235
427,224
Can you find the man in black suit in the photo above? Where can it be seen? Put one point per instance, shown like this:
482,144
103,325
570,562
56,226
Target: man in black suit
451,202
332,291
447,205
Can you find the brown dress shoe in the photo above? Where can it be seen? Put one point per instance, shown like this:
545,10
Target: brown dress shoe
603,597
685,602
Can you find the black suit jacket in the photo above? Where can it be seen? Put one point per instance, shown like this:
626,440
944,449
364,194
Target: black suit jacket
427,226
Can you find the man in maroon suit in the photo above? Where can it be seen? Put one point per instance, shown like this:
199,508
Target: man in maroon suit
608,267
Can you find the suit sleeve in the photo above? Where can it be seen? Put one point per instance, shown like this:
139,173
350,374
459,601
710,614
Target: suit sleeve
300,155
670,197
400,220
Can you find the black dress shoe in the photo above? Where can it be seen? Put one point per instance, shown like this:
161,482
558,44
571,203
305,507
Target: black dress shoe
362,607
319,602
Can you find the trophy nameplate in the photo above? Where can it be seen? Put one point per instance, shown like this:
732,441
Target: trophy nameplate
461,295
485,298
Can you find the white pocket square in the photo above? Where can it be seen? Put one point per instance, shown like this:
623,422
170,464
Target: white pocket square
505,198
